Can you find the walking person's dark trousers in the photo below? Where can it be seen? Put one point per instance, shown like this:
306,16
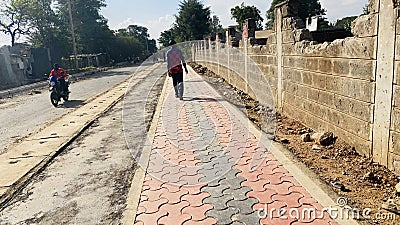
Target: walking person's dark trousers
177,79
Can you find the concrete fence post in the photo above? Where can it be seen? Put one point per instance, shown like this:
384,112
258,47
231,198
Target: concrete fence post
384,81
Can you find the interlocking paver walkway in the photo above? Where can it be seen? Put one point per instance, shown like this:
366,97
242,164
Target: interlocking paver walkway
207,168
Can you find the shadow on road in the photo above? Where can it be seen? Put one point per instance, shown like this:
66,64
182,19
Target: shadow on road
72,104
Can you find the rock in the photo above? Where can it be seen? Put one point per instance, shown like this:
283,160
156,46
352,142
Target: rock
327,139
338,185
284,141
316,148
324,139
398,188
316,136
306,137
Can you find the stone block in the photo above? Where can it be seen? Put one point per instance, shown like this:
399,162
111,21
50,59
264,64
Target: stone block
397,72
288,49
358,109
395,143
326,98
312,94
288,37
363,69
396,96
325,65
311,64
397,48
395,120
319,80
350,124
365,26
341,67
307,78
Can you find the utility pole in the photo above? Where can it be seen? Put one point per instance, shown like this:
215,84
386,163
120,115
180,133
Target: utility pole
73,34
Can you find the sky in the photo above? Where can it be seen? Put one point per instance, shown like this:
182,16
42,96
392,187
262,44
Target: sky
158,15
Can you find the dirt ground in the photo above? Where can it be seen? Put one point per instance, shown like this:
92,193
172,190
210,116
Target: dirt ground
365,184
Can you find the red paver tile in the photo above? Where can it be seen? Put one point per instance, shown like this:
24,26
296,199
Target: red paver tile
290,179
175,215
251,177
273,179
195,189
207,221
154,184
277,221
197,213
150,219
280,169
292,200
264,197
282,189
191,180
152,196
153,207
308,200
258,186
196,200
174,198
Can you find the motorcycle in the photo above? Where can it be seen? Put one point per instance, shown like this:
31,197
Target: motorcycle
57,91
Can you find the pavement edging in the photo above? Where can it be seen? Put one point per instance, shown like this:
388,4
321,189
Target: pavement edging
135,191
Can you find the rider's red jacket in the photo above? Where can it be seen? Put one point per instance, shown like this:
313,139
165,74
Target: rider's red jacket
60,73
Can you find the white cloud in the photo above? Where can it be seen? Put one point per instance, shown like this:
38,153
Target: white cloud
155,26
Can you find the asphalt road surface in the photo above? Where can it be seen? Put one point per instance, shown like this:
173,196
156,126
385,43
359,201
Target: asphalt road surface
89,182
27,113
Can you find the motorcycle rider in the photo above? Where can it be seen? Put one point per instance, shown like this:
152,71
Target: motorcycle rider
61,75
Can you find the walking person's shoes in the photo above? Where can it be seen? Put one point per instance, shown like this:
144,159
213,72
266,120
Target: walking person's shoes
181,97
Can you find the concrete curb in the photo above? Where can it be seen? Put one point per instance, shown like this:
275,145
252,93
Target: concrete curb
135,191
41,84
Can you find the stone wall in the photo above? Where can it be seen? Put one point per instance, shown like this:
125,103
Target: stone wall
349,86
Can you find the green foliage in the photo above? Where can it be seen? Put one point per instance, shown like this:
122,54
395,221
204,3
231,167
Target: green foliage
192,22
216,26
92,32
243,12
124,47
166,37
307,8
345,23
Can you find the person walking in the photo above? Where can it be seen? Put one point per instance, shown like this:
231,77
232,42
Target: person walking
175,61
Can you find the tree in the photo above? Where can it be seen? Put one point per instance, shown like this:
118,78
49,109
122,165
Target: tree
92,32
216,26
192,22
307,8
13,19
243,12
166,37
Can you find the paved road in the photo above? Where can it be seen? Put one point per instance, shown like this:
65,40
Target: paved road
89,182
25,114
